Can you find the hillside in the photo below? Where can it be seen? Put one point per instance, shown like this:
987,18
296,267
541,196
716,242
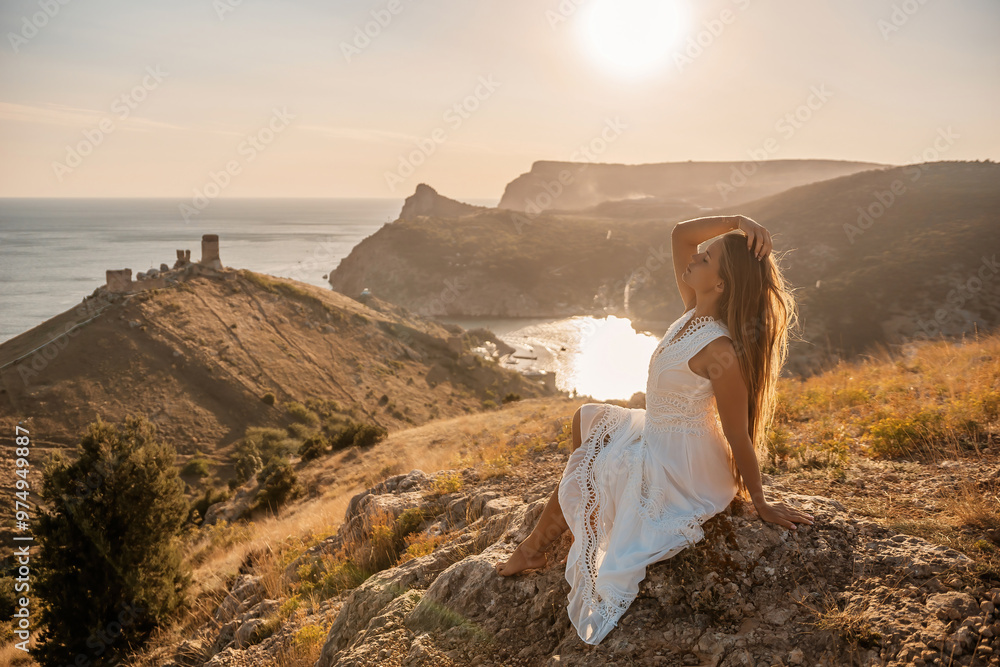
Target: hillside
425,200
212,356
896,457
668,187
877,282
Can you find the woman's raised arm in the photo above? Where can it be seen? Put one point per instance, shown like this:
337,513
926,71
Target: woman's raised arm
684,240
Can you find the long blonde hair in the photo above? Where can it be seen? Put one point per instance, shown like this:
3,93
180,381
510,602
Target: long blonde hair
759,310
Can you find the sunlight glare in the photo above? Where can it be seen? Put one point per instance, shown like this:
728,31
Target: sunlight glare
633,37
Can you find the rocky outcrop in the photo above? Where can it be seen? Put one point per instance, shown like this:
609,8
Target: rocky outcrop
844,590
426,201
750,593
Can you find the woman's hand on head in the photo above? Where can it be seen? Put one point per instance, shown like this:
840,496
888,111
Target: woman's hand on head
783,515
758,238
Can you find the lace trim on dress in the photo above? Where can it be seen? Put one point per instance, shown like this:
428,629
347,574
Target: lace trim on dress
685,412
669,353
609,602
613,603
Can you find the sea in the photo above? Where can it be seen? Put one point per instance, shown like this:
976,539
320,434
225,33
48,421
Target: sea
54,252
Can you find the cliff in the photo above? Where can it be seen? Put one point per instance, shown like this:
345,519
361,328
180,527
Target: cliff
695,185
426,201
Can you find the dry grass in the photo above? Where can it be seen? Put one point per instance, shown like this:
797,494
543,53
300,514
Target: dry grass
275,541
938,400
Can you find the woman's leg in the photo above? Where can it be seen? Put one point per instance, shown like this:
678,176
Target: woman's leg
551,525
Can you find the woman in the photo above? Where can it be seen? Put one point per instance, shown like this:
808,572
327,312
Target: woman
640,482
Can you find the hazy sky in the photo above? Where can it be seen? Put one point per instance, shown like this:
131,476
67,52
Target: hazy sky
136,98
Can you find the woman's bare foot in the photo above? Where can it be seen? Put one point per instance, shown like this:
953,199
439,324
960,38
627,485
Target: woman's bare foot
520,560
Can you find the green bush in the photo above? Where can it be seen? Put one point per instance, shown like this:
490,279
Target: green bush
258,447
277,482
313,448
357,434
268,398
300,431
893,436
301,413
197,466
410,520
108,543
368,435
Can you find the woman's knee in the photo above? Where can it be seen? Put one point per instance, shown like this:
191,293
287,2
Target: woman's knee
577,435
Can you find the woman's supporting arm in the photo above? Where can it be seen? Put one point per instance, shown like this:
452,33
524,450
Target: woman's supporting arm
732,401
701,229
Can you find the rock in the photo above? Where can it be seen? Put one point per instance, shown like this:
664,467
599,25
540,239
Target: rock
245,593
742,594
426,201
244,634
192,652
951,605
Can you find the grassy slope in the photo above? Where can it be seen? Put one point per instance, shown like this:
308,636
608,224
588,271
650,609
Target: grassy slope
860,433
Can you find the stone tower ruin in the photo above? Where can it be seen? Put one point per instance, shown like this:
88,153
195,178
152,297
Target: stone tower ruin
210,252
119,280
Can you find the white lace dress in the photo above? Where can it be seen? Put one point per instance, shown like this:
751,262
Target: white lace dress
643,481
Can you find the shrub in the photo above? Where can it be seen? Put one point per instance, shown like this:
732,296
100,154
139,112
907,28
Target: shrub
357,434
420,544
111,544
277,482
410,520
299,431
511,397
313,448
247,465
446,483
268,398
308,636
369,434
258,447
197,466
892,436
301,413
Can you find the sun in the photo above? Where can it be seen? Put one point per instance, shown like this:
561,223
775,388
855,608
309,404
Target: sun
633,38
